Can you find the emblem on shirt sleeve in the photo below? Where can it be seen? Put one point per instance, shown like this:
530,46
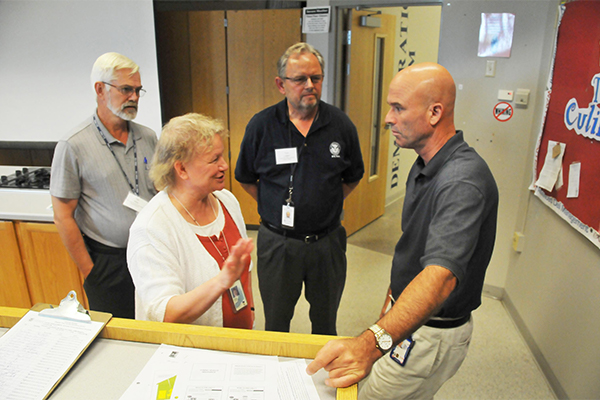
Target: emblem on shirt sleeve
335,149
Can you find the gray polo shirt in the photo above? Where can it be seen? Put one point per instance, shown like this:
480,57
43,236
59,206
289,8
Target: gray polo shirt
449,219
84,168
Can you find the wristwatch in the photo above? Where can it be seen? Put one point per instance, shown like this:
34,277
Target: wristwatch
384,340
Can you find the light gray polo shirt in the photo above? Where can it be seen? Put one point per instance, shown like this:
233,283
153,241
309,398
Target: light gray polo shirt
84,168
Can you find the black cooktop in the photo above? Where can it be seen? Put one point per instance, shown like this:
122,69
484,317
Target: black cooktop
27,178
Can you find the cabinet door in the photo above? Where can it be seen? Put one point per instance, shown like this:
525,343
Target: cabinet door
13,289
51,273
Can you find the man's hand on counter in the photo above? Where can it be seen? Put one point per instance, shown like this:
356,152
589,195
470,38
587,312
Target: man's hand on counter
347,360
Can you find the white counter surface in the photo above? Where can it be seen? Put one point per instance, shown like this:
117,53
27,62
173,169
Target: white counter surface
24,204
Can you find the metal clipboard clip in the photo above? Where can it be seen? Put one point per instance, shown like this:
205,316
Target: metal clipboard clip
69,308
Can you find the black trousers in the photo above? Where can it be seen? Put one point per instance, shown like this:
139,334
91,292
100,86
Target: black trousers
285,264
109,287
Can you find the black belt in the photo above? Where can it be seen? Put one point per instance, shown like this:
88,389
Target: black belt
98,247
448,323
305,237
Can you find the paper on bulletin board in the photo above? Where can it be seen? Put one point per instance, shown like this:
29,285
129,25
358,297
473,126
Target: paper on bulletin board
551,174
496,35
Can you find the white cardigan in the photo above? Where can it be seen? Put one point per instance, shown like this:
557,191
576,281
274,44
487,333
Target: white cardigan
166,258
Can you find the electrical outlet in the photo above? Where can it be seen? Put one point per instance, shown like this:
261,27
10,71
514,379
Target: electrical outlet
518,242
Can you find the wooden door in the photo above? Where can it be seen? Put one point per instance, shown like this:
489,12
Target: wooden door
208,69
371,67
223,64
255,41
14,291
51,273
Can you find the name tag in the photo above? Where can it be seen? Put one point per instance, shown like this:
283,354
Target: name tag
287,216
401,351
286,156
237,296
134,202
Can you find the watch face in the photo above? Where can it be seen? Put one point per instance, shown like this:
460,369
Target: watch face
385,342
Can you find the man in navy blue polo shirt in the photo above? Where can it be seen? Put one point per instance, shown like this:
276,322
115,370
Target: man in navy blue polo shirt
448,232
299,159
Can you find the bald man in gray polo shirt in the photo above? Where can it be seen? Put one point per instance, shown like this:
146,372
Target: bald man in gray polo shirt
100,181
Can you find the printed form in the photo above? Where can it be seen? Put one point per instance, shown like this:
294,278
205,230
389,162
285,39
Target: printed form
195,374
38,351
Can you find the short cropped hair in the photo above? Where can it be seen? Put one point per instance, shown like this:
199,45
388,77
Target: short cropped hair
105,66
181,139
298,48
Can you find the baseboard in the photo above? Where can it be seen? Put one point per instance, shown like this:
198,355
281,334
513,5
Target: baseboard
496,293
533,347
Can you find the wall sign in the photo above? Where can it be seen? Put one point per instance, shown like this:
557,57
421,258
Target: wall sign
572,119
503,111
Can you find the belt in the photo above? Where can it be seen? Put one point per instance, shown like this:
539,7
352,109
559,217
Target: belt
305,237
101,248
448,323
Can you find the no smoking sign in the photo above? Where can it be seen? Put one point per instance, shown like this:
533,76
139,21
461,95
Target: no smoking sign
503,111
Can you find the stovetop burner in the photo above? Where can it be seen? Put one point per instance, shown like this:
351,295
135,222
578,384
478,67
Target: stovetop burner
27,178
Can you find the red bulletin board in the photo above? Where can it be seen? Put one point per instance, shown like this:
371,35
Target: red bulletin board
573,116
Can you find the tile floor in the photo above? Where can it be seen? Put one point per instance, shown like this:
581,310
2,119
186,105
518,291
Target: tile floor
499,365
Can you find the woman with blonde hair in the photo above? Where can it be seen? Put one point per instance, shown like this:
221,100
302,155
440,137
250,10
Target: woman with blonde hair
188,251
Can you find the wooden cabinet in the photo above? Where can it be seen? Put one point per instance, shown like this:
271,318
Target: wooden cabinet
13,289
50,272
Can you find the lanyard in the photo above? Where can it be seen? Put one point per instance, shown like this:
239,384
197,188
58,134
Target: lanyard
136,190
294,165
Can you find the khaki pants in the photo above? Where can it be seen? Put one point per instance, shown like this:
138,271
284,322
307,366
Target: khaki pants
435,357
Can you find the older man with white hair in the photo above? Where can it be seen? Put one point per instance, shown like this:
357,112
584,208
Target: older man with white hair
100,181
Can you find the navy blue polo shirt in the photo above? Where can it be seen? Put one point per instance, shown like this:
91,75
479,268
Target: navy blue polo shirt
449,219
329,155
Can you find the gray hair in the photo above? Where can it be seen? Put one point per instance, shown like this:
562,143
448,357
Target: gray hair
181,139
298,48
105,66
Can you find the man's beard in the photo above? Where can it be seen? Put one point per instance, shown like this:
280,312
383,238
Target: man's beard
306,107
123,112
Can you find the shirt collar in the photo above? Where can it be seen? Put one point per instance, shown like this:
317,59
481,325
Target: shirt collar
281,111
440,158
110,138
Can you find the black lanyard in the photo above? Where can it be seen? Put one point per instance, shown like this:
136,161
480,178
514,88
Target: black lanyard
136,190
294,165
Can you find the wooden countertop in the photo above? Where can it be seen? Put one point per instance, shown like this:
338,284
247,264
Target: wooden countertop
224,339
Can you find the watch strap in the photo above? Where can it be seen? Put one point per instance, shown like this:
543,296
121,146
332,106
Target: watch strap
379,332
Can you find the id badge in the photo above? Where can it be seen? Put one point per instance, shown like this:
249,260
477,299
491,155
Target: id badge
237,296
286,156
401,351
287,216
136,203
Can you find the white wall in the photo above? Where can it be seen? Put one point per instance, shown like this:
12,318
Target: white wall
417,41
47,49
504,145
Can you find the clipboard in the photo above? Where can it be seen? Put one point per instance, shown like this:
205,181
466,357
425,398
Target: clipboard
37,353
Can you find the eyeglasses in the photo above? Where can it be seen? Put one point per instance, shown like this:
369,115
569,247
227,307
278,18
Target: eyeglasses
301,80
127,90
